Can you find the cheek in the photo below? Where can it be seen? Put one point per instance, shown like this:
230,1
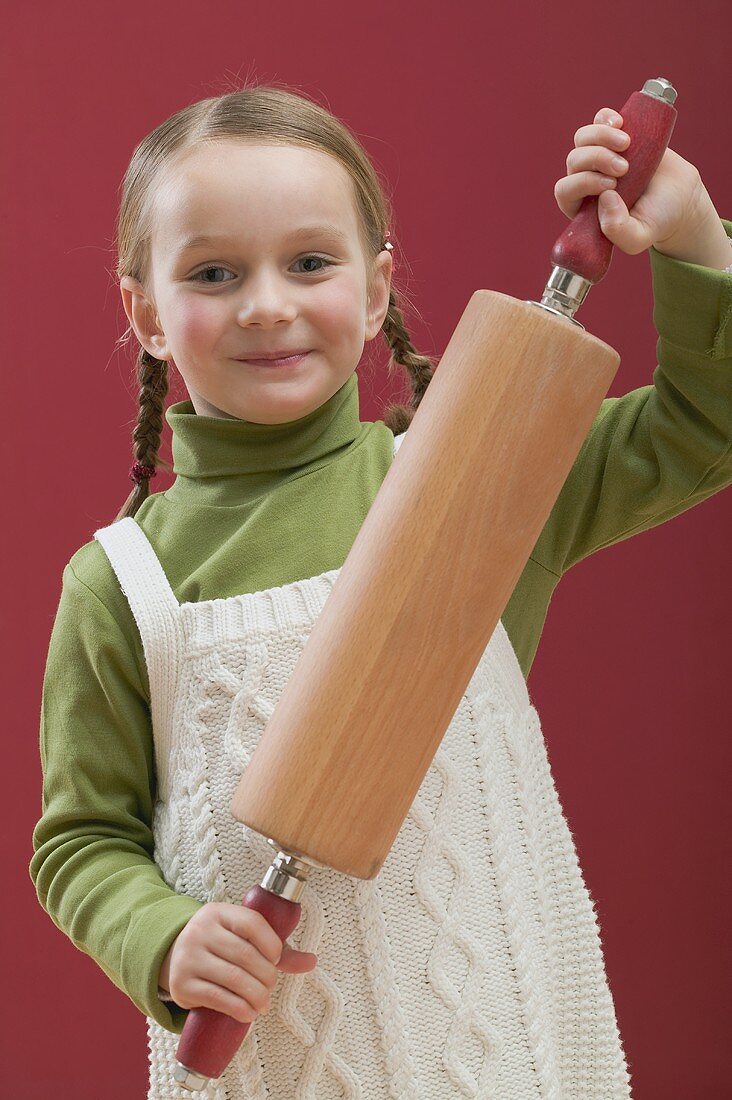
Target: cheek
195,321
342,309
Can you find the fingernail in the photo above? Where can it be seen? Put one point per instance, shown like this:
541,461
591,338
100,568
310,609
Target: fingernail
610,198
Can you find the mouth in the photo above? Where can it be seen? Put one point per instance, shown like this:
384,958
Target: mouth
284,361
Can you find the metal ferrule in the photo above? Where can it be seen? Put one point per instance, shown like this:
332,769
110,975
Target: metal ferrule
287,874
188,1078
563,294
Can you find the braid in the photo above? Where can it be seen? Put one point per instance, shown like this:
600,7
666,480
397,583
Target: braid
420,368
152,375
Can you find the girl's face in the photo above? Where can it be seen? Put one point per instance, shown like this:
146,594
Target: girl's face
282,270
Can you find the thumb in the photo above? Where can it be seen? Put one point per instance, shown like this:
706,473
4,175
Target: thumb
294,962
628,234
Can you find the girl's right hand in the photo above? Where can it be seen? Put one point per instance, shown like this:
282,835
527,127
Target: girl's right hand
226,958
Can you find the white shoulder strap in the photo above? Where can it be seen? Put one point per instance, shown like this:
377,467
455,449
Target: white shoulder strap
398,439
138,571
157,614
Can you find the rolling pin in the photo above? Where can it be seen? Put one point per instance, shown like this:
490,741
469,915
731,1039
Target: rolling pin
428,577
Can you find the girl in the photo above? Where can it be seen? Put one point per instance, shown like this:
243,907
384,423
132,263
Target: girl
254,253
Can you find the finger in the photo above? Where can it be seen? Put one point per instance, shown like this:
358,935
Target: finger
597,158
296,962
631,235
245,954
609,116
609,136
571,190
220,999
249,924
238,981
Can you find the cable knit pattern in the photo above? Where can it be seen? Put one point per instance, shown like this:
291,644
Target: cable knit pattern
471,966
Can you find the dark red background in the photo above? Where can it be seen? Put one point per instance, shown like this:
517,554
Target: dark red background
469,111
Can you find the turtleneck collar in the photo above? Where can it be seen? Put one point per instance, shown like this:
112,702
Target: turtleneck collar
234,460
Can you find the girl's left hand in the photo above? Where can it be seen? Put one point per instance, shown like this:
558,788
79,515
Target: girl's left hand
674,205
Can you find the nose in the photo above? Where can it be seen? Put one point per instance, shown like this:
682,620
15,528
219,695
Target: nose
266,299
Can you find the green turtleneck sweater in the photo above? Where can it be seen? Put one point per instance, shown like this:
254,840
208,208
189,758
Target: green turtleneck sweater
254,506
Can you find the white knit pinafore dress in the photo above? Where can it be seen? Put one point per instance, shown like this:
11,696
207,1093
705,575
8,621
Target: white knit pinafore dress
471,966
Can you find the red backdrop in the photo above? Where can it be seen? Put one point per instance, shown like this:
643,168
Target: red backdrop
470,113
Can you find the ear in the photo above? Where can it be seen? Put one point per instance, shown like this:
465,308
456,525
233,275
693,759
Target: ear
378,294
143,317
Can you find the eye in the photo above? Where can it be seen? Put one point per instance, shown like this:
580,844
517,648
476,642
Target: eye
320,259
204,271
303,259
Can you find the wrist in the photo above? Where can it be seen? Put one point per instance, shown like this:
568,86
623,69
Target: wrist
706,243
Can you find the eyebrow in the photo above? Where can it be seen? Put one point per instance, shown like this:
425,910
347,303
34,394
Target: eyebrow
305,232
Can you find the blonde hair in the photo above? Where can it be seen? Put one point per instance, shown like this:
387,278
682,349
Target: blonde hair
273,115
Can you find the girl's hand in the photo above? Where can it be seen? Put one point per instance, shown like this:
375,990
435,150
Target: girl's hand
226,958
671,212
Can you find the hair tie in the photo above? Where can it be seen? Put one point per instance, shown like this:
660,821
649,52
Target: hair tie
139,473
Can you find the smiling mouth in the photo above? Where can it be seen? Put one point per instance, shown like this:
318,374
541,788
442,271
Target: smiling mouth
286,361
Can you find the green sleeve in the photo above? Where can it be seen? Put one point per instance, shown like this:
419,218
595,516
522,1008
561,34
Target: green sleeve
658,450
93,866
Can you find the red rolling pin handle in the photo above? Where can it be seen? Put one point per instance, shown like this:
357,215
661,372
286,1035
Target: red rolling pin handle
583,248
210,1039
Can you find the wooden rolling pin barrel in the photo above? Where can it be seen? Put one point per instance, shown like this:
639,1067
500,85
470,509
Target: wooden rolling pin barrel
428,577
